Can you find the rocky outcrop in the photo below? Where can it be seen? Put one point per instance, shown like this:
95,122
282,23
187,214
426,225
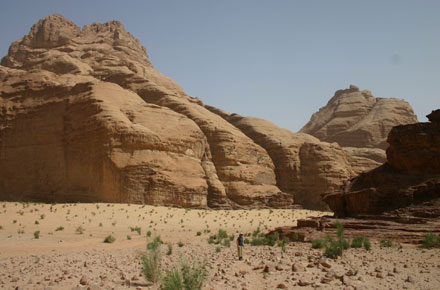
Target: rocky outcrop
406,225
357,119
84,116
410,176
304,165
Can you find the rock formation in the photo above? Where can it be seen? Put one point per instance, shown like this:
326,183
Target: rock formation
356,119
304,165
410,176
84,116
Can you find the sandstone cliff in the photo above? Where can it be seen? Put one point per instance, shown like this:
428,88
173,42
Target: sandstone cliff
84,116
410,176
356,119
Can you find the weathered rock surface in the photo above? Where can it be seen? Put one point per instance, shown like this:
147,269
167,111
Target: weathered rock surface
357,119
407,225
399,200
304,165
410,176
84,116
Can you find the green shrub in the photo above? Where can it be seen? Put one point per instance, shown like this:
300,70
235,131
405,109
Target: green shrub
128,237
386,243
155,243
218,249
149,234
226,243
345,244
431,241
367,244
180,244
283,247
80,230
60,228
259,241
109,239
333,248
246,241
172,280
357,242
37,234
170,249
187,278
194,276
151,265
136,229
317,244
275,236
222,234
295,237
199,233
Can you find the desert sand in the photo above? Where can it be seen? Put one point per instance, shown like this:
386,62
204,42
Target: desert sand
64,258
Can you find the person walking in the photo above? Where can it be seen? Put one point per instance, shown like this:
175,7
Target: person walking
240,245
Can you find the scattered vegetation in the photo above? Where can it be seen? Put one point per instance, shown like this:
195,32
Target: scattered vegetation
180,244
386,243
173,280
155,243
136,229
187,277
60,228
317,244
109,239
151,261
333,247
37,234
80,230
357,242
128,237
431,241
367,244
170,249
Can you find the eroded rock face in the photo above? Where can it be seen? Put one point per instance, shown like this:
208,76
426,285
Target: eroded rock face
410,176
67,138
304,166
356,119
86,117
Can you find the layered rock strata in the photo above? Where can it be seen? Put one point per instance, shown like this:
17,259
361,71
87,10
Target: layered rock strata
410,176
406,225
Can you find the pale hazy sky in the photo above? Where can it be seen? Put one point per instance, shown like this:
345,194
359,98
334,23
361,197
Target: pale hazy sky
278,60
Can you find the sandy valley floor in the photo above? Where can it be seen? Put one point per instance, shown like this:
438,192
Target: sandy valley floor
62,256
